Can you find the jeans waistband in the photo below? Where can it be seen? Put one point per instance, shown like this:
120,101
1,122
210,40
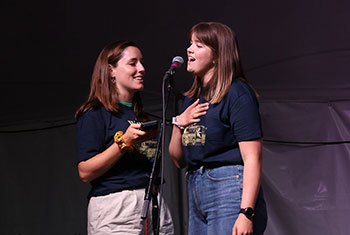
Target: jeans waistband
209,165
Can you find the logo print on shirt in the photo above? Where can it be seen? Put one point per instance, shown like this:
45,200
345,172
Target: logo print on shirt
194,135
147,148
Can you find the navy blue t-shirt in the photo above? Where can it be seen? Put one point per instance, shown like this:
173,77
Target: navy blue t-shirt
95,133
214,140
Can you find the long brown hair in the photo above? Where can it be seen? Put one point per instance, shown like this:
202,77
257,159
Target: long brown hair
102,89
223,44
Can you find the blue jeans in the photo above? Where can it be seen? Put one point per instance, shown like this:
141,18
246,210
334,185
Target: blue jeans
214,197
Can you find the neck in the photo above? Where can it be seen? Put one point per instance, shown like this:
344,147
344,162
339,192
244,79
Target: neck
126,97
207,77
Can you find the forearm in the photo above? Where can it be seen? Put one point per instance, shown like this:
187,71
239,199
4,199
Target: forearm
251,154
252,158
251,181
99,164
175,148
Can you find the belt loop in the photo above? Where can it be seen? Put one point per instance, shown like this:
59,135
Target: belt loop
201,170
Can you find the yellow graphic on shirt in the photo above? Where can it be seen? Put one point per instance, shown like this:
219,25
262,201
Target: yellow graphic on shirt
194,135
147,148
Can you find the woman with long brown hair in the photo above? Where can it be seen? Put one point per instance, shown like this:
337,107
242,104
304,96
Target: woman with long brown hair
109,136
218,138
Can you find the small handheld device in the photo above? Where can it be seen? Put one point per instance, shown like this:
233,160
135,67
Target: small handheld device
150,125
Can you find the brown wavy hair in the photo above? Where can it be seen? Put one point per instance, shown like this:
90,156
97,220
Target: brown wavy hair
223,43
103,91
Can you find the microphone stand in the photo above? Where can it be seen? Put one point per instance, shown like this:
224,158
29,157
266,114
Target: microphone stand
149,195
156,163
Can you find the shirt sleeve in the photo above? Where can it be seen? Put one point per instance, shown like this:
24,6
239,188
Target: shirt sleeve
90,135
245,118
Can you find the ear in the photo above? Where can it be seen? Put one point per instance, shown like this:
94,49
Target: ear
111,70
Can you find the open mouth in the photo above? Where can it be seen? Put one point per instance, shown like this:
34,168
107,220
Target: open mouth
191,59
138,78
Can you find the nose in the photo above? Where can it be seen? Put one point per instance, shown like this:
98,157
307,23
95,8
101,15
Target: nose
141,68
189,49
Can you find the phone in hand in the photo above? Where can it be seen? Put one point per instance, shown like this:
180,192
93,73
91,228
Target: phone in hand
150,125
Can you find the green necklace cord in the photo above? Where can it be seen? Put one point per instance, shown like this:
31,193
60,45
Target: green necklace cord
126,104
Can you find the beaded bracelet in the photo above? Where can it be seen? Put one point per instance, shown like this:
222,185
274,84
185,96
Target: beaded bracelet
177,124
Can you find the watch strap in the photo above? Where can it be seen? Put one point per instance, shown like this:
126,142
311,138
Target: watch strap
248,212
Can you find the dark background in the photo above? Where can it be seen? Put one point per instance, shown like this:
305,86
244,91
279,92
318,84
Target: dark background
296,54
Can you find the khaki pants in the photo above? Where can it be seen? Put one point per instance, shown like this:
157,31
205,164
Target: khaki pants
120,213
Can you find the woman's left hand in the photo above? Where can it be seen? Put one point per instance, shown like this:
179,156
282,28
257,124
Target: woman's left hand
242,226
134,134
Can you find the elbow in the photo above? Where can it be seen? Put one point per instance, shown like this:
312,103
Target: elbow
83,175
84,178
178,160
175,150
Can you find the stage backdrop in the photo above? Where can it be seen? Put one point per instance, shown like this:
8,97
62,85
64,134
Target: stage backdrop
295,53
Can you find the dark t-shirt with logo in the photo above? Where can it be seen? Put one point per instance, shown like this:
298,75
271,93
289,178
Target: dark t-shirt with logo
214,140
95,133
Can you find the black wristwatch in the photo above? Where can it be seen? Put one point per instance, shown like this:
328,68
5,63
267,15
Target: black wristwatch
248,212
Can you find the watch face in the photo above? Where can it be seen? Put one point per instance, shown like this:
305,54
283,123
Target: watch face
249,211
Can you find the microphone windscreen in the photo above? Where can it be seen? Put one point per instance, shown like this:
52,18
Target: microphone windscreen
178,60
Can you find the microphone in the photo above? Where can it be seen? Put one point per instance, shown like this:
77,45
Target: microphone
176,63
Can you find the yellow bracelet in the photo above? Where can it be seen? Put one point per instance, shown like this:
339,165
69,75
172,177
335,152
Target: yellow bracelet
118,139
